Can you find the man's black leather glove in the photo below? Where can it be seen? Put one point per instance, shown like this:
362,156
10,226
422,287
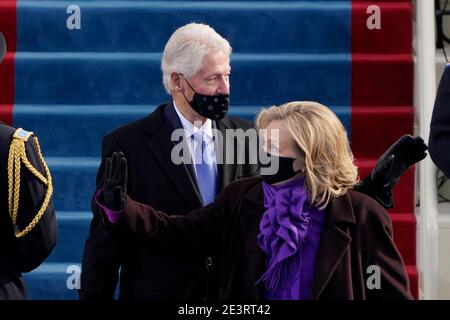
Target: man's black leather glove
115,181
394,162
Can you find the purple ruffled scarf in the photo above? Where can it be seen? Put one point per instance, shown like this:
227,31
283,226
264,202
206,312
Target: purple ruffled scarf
283,229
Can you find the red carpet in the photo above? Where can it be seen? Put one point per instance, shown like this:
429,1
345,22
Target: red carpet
8,24
382,106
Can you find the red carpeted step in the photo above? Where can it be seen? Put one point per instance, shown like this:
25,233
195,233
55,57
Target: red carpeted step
374,129
382,80
8,28
382,68
413,280
405,235
382,99
395,34
381,102
7,89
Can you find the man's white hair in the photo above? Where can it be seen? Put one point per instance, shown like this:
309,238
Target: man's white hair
186,48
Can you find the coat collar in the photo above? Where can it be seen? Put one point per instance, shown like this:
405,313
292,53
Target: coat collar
337,211
334,242
159,126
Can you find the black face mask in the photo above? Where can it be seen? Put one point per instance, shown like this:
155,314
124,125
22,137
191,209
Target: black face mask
211,107
285,170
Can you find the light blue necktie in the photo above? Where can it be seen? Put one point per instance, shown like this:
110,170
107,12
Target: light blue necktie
204,165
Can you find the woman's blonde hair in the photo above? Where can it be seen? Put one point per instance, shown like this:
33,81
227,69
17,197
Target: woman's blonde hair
322,140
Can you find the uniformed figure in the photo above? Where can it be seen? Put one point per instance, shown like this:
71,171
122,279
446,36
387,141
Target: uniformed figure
439,140
28,229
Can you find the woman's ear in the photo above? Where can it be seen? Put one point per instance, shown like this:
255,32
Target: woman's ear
299,165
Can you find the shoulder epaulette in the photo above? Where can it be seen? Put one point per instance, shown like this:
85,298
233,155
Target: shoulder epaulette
16,158
22,134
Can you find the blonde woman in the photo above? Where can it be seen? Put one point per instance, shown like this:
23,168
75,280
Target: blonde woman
299,233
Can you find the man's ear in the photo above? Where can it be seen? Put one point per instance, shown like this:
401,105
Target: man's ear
175,80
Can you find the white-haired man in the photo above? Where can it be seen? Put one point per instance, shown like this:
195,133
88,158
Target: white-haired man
28,229
196,70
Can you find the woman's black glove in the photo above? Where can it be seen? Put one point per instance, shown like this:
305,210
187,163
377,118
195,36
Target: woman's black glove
394,162
115,181
405,152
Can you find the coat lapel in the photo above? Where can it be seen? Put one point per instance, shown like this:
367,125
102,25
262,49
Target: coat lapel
250,220
160,146
334,242
227,171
